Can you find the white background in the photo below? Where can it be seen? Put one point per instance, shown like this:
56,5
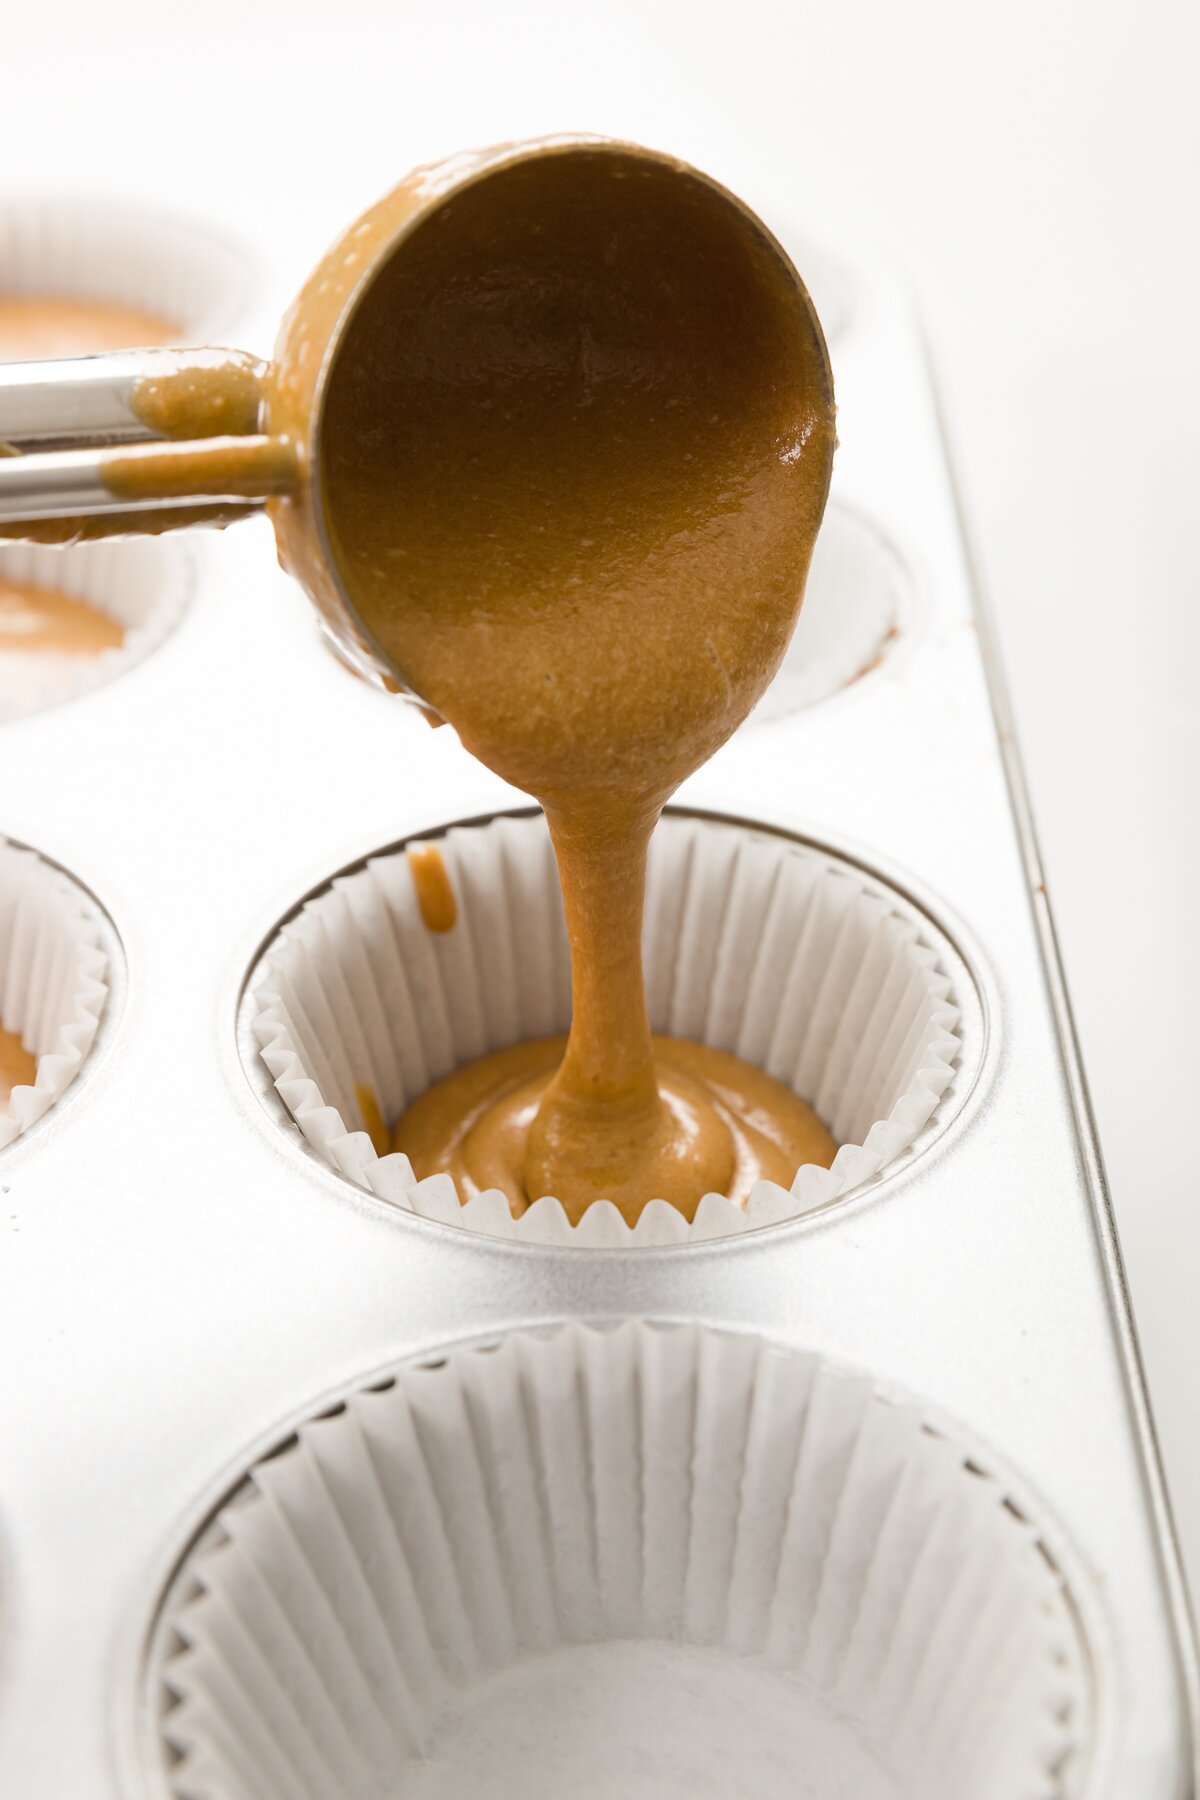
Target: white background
1032,168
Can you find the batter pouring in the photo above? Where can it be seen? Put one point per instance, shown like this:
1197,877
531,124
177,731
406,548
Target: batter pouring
575,458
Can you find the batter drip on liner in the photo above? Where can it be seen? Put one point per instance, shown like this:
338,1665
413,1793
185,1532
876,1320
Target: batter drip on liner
575,454
434,889
18,1066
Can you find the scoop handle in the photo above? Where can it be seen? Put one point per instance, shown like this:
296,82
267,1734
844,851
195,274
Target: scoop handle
67,484
129,396
90,443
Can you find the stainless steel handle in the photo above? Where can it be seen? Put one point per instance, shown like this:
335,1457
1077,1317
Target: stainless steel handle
71,484
171,432
128,397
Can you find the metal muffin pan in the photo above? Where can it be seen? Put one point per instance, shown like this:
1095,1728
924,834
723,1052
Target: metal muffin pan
182,1280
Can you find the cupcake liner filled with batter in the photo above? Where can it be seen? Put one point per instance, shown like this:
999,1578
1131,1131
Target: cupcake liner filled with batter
645,1560
78,277
775,952
74,619
53,985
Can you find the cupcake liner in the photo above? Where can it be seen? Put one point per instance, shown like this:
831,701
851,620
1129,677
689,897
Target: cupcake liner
52,978
142,583
784,954
636,1560
106,251
828,281
856,603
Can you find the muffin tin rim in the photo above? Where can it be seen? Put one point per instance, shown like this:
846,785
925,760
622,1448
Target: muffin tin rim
141,1748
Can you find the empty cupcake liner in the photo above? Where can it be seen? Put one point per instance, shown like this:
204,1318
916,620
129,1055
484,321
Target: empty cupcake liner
829,282
755,943
99,250
645,1560
53,984
856,604
142,583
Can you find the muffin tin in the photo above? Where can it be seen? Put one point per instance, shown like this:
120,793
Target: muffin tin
210,1320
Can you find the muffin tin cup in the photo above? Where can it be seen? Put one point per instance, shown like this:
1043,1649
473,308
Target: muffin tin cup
637,1559
104,251
857,604
53,978
142,583
754,942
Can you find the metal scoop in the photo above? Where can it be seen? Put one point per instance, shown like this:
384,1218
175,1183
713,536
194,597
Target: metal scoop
153,440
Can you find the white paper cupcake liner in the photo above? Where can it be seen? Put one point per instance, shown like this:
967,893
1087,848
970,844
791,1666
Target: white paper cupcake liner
856,604
754,943
644,1560
142,583
53,984
829,282
99,250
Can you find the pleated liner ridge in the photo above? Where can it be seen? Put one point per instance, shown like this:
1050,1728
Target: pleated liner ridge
53,983
753,943
98,250
141,583
332,1630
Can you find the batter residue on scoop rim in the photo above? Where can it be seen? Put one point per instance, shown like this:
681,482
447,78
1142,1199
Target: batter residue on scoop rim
18,1066
38,624
36,327
575,453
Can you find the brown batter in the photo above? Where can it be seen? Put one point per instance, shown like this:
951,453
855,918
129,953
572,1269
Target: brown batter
575,454
475,1124
18,1066
222,466
435,893
368,1106
209,399
34,327
42,621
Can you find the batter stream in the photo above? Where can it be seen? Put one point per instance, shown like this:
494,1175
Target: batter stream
575,460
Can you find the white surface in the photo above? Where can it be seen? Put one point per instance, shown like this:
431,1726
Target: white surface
1032,167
